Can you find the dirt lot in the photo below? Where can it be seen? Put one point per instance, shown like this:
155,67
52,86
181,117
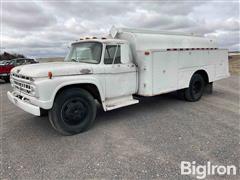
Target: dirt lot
234,65
144,141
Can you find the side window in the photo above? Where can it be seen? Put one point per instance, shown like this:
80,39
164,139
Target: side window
32,61
27,61
112,53
19,62
12,63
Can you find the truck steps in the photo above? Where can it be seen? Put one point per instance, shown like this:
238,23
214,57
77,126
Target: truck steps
120,102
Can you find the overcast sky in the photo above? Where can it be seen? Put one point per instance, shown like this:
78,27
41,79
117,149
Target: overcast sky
46,28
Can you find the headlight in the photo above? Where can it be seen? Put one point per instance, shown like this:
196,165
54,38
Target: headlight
33,87
33,90
31,79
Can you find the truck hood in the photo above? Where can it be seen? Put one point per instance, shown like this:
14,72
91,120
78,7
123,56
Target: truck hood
57,69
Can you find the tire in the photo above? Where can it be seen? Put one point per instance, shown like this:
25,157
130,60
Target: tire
7,79
73,111
43,112
196,88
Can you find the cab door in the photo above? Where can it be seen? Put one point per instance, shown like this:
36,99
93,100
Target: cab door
120,72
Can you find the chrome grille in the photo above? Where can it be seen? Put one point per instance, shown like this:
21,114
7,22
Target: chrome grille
21,83
20,76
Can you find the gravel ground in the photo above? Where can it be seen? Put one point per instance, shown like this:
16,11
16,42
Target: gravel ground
143,141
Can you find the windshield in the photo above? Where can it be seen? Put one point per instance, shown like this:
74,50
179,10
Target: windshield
86,52
4,62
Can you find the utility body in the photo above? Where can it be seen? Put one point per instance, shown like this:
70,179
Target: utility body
111,71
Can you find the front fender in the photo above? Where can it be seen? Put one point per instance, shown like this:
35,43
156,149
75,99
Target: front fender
48,88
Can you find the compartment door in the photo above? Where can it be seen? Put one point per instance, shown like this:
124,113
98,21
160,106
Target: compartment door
165,71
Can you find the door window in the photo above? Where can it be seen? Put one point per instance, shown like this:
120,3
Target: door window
20,62
112,54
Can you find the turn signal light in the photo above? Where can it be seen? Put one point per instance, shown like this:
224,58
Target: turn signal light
50,75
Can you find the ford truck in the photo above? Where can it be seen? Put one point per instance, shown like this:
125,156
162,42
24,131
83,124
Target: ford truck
112,71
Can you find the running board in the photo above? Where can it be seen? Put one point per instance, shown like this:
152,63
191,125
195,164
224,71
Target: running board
119,102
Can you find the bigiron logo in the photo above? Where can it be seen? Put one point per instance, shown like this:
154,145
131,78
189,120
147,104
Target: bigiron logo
202,171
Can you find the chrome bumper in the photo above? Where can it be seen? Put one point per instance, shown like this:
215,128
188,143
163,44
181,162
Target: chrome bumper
24,105
4,75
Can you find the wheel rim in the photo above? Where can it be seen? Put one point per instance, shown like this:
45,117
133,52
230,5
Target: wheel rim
197,87
74,111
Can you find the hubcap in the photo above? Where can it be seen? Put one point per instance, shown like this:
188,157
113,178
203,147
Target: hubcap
74,111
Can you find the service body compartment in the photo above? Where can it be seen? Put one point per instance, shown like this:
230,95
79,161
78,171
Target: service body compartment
163,71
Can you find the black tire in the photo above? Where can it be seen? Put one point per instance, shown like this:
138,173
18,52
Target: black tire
73,111
43,112
196,88
7,79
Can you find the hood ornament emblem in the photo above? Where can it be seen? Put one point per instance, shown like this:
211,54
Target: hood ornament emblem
85,71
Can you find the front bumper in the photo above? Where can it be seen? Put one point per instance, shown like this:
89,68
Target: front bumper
23,104
4,75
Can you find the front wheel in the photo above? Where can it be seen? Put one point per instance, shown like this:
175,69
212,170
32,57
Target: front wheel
73,111
196,88
7,79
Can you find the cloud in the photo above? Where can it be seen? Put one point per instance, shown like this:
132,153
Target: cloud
45,28
26,16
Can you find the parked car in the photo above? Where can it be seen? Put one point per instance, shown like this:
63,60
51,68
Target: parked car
5,68
23,61
7,65
114,71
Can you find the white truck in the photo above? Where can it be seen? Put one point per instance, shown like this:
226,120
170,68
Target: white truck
113,71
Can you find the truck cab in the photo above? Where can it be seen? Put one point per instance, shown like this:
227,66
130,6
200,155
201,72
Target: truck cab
112,59
94,70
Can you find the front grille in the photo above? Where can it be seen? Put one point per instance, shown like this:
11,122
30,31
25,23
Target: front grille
21,83
20,76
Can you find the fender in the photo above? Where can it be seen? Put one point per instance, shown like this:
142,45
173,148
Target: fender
76,80
186,74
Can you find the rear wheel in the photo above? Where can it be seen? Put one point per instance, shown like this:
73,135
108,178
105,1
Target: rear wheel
73,111
196,88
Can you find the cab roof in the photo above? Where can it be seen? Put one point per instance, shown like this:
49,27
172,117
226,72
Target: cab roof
101,40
